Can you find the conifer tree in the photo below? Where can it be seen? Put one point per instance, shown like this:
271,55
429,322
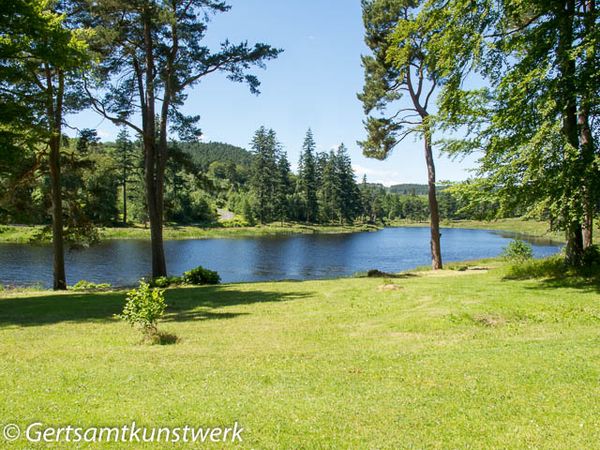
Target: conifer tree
264,173
124,154
308,177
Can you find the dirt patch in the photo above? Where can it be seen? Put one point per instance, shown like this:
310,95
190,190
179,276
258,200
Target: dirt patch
489,320
388,287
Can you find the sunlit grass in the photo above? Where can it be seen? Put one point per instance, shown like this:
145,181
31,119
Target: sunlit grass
459,359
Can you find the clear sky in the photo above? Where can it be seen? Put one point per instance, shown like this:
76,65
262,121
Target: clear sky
313,84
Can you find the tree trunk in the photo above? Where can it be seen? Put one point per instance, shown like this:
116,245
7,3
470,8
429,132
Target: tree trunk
124,203
54,112
152,163
574,250
436,249
585,135
59,277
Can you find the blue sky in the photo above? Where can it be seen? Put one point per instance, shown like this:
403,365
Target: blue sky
312,84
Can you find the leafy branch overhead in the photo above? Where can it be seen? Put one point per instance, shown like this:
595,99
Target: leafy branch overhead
173,32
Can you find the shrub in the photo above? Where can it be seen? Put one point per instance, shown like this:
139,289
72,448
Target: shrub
163,282
517,251
144,307
236,222
200,275
551,267
84,285
591,256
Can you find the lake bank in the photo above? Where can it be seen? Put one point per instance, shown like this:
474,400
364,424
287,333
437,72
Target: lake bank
449,360
23,234
524,228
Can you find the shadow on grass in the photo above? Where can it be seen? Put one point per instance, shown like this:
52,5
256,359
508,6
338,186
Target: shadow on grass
572,282
184,304
552,273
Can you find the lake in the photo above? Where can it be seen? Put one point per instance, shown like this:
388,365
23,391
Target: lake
123,262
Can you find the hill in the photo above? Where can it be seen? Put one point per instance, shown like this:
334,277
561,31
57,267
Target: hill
204,153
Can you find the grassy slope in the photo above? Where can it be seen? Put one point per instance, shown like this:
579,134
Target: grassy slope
23,234
530,228
453,360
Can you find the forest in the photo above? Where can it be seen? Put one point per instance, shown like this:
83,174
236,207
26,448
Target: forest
104,186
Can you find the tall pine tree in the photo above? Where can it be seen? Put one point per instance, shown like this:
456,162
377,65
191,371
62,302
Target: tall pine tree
308,178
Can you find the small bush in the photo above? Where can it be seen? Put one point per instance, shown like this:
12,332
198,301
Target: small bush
236,222
200,275
144,307
517,251
84,285
591,257
163,282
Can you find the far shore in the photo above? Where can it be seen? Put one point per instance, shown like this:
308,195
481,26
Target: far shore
526,228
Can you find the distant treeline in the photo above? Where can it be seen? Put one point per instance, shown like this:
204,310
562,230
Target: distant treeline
103,185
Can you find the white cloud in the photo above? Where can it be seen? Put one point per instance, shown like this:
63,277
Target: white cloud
385,177
104,134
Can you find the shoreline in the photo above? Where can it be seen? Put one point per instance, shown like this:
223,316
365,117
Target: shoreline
23,234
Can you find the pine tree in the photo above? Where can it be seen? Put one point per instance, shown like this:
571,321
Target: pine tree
308,177
283,187
330,188
264,173
124,154
349,194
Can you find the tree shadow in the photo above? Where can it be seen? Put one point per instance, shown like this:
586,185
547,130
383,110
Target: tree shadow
579,283
184,304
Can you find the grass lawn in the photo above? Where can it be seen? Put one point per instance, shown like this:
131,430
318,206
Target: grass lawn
446,360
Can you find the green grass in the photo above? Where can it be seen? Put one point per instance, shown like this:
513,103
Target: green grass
522,227
457,359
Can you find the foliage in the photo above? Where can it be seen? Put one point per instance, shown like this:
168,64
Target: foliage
143,308
205,153
307,179
163,282
84,285
517,251
533,120
590,261
236,222
200,275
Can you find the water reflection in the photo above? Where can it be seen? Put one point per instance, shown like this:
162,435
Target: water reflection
122,262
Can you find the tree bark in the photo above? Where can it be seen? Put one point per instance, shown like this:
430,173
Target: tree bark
125,200
436,249
152,163
54,113
574,249
585,134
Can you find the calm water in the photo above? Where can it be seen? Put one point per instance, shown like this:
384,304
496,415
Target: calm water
123,262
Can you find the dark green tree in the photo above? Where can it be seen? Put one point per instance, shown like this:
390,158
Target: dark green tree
42,52
283,187
349,195
533,123
152,53
124,154
264,173
307,176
